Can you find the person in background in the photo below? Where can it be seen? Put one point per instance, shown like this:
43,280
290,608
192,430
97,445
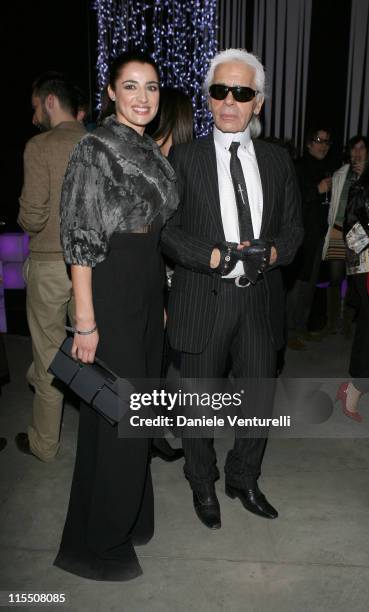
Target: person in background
4,378
84,110
175,119
4,367
356,234
314,172
172,126
118,192
334,249
49,289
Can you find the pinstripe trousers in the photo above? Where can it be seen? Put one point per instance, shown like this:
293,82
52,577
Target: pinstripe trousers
241,338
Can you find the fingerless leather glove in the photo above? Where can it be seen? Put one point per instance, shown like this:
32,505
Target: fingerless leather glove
229,256
255,258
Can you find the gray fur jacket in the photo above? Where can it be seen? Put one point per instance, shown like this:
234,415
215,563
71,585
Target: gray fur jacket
116,181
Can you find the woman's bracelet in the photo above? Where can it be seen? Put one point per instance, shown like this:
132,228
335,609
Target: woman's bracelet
81,333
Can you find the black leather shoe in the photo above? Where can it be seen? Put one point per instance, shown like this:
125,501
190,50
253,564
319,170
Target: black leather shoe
161,448
253,500
22,443
3,444
207,507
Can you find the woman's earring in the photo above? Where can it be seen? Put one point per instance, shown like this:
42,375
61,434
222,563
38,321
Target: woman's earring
113,99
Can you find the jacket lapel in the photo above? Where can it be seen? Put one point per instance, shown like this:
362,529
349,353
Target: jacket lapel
209,181
265,170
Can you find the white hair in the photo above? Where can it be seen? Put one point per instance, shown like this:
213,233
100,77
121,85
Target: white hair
237,55
255,126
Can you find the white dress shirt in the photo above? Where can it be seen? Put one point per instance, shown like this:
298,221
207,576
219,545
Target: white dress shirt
227,198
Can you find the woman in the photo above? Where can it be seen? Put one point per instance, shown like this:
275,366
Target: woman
118,192
334,251
175,124
172,126
356,232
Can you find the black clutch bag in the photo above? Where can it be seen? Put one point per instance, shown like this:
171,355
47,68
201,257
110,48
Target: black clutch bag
94,383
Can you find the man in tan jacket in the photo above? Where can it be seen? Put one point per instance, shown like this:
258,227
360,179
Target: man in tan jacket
48,286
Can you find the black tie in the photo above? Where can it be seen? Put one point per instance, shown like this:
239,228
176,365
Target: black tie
240,190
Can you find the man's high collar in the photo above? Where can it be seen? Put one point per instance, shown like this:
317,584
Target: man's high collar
225,139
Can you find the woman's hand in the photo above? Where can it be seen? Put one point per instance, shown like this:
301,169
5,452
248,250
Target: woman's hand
325,185
84,347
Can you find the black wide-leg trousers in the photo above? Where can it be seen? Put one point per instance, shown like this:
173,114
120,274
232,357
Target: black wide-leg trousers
111,501
241,338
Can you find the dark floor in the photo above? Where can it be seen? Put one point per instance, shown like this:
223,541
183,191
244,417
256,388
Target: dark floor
315,556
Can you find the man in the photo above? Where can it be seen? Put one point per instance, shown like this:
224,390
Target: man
48,285
221,309
314,172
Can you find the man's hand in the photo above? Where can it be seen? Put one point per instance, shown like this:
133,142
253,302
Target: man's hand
273,256
255,255
256,258
225,256
215,258
273,252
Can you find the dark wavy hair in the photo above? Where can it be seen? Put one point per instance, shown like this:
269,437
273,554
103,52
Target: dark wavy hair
354,141
175,117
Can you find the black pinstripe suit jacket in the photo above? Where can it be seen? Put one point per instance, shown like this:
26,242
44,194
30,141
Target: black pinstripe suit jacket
189,237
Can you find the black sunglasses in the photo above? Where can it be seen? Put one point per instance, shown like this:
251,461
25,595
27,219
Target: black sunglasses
240,94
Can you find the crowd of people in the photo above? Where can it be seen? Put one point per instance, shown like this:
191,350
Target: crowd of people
325,186
335,245
228,212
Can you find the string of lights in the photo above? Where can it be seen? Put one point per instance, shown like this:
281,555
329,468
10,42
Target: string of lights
180,35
